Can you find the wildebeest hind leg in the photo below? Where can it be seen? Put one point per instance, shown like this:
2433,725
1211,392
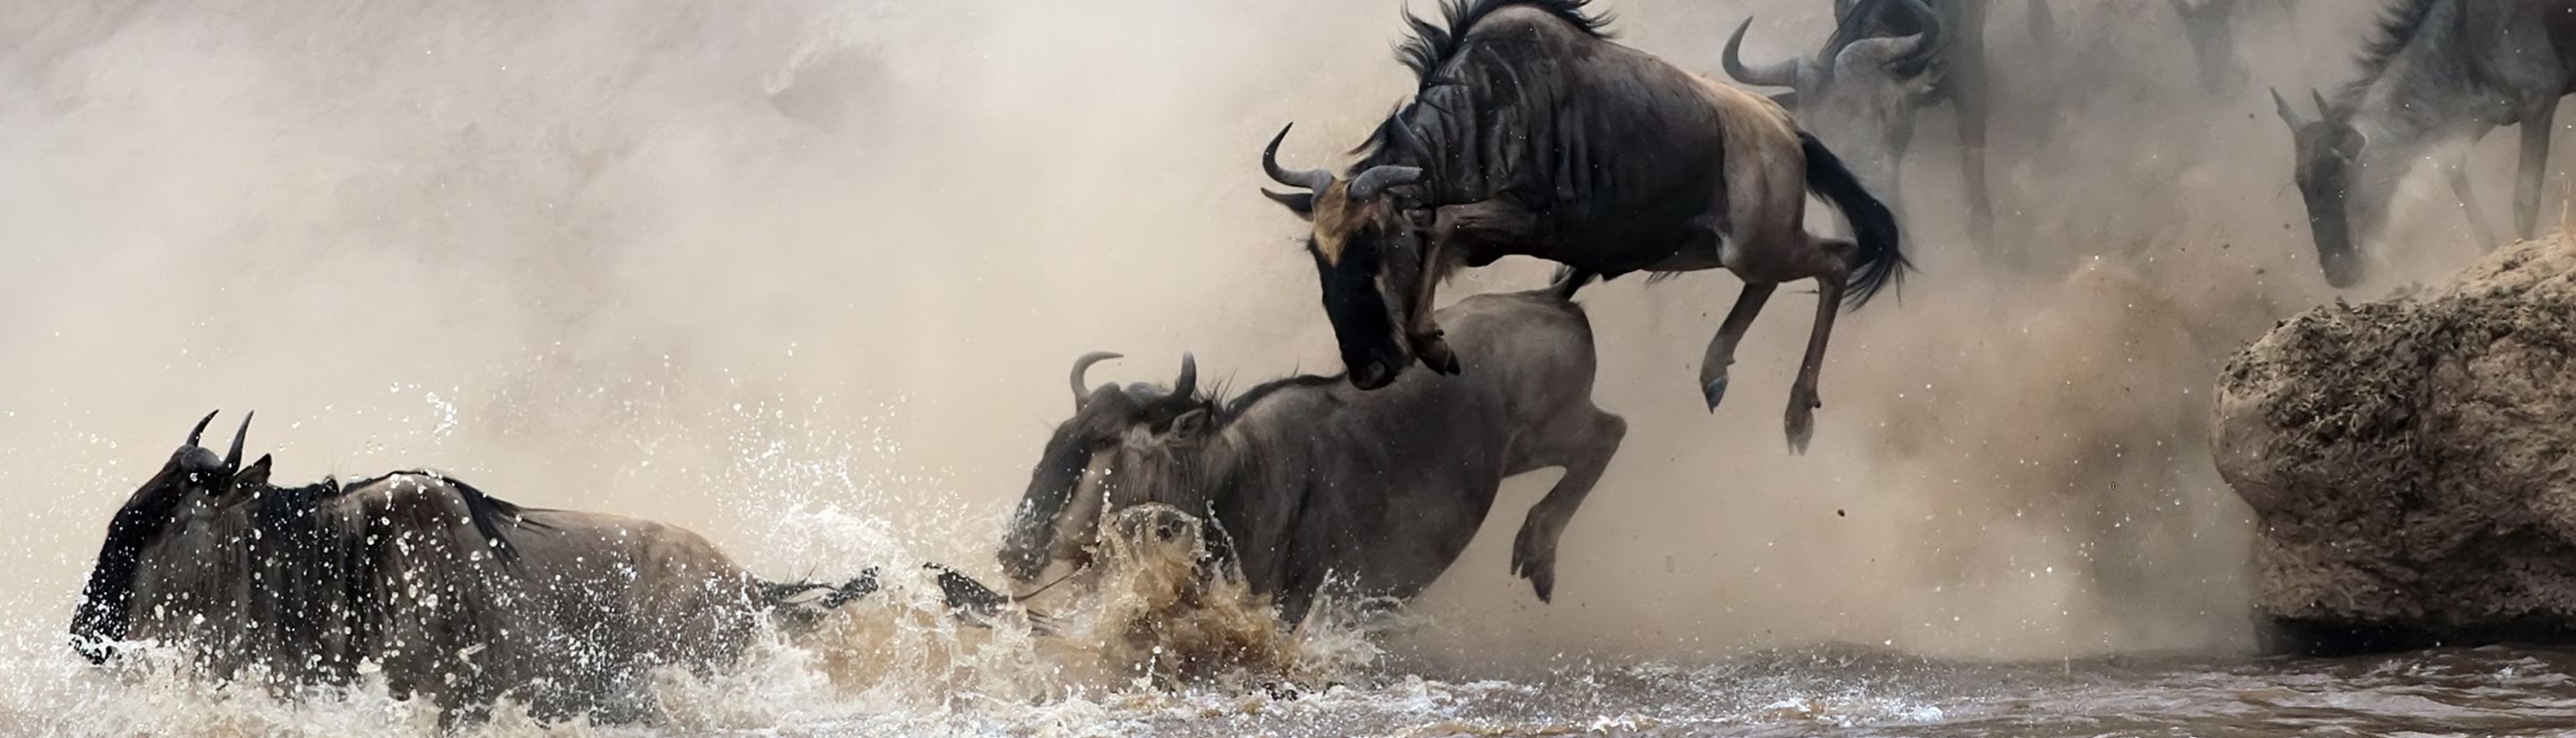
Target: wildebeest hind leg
1833,271
1585,451
1721,348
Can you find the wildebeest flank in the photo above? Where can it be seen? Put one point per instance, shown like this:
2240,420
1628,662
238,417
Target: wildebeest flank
2439,76
1310,479
1533,134
452,593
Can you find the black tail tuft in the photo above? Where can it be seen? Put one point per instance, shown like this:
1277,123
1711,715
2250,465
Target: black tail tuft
1882,262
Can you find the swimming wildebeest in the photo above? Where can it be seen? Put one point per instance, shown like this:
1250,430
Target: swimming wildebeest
1533,134
2440,75
1308,478
452,593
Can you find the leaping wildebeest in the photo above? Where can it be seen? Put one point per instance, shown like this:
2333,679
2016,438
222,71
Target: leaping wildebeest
2439,76
1533,134
453,594
1308,479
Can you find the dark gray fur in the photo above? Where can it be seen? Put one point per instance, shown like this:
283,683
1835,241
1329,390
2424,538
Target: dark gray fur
1311,479
2438,77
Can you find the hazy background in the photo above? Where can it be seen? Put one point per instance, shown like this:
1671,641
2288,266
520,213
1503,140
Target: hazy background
748,266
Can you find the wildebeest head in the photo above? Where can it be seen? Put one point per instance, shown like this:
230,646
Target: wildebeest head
1366,243
2329,151
1120,448
2210,26
193,475
1860,92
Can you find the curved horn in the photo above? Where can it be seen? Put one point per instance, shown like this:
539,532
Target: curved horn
232,459
1777,74
2282,107
1082,366
200,430
1378,178
1187,385
1312,179
1929,40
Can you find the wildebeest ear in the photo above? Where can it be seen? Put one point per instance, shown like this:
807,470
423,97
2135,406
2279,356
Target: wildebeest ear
255,475
1190,426
1301,203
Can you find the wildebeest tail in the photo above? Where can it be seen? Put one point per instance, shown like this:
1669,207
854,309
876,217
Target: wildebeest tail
1882,262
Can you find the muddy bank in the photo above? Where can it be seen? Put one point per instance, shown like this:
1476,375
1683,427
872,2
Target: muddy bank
2408,460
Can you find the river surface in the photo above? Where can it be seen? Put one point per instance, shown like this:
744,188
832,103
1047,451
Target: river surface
1821,691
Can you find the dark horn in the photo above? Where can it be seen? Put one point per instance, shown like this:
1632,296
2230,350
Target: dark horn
1929,41
1378,178
1778,74
200,431
2325,110
1081,366
1187,385
232,459
2281,106
1312,179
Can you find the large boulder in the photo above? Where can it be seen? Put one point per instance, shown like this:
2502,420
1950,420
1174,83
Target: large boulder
2409,461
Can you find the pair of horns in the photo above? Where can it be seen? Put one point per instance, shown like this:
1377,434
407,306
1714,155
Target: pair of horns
1367,185
2281,106
1848,25
232,458
1184,386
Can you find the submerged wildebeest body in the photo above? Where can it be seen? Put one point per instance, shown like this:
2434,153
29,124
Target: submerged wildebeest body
451,593
1309,479
1533,134
2440,75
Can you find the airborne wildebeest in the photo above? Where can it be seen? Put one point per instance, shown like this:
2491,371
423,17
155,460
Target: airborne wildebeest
454,594
1308,478
2440,75
1533,134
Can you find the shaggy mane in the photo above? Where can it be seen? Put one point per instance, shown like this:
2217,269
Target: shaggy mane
2398,24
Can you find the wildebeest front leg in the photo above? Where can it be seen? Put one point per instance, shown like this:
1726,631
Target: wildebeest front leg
1721,348
2536,125
2458,171
1584,449
1470,227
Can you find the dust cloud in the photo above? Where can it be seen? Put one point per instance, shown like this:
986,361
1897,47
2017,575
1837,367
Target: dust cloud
805,277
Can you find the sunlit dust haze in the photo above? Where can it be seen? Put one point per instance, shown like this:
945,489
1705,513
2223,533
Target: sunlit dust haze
806,277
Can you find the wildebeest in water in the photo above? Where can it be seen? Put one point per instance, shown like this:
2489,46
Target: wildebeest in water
1309,479
453,594
1533,134
2439,76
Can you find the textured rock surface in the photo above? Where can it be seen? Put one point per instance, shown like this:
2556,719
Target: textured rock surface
2408,460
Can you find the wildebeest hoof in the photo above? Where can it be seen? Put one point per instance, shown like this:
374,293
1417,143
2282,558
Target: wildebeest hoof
1802,420
1435,353
1715,391
1529,562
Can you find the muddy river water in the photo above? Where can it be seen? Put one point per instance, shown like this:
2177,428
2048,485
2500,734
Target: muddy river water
1818,691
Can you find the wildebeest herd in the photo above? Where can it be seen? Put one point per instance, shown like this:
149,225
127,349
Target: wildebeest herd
1529,133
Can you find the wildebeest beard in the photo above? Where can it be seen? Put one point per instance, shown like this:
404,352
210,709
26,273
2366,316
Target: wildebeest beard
1365,293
